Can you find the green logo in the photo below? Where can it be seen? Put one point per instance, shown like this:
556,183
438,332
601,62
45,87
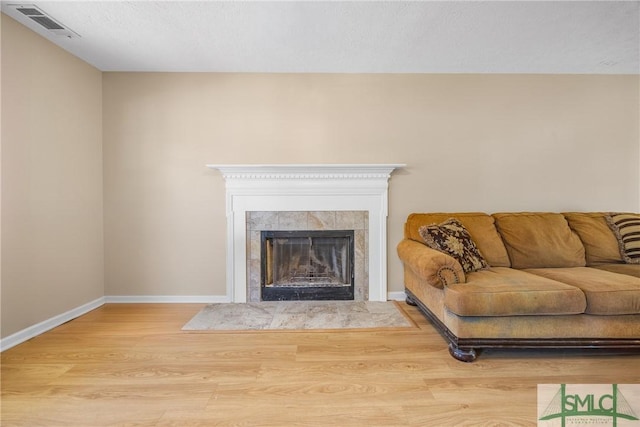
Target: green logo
607,407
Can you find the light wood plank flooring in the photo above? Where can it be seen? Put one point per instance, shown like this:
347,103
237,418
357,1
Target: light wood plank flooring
131,365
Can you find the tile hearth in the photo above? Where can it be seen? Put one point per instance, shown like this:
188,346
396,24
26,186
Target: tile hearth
290,315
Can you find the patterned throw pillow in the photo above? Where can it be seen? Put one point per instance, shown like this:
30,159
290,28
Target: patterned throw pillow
626,227
453,239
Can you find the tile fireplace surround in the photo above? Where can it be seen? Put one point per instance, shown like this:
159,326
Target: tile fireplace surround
315,221
306,188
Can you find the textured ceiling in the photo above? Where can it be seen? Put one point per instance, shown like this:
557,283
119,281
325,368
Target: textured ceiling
350,37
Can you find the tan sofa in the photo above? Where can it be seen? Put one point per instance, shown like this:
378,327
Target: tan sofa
554,280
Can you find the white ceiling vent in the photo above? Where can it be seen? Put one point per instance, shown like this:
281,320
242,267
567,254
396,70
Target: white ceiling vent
41,18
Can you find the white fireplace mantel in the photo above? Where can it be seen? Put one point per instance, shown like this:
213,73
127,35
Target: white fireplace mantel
306,187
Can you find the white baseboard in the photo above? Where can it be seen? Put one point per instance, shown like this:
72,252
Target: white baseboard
185,299
42,327
396,296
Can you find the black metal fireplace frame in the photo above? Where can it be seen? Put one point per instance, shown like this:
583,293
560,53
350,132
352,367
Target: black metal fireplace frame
305,293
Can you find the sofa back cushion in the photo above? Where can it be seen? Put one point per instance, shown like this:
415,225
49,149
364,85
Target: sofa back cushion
539,239
599,241
480,226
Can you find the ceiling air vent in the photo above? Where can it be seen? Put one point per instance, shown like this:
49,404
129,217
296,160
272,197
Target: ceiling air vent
41,18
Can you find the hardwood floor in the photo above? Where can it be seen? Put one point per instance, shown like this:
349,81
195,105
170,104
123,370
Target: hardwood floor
131,365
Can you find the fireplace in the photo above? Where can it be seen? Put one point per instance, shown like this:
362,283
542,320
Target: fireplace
309,188
307,265
347,227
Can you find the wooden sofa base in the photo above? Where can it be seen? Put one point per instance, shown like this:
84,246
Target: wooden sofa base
467,349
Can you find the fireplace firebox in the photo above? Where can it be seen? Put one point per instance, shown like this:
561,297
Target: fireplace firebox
307,265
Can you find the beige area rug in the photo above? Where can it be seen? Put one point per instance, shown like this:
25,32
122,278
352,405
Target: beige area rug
299,315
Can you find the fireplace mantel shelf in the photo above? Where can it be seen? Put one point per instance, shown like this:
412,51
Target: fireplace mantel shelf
307,171
306,187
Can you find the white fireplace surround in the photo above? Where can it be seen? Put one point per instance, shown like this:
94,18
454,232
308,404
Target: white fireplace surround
306,187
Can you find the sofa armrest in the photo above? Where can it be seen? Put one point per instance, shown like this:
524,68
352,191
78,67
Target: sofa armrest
435,267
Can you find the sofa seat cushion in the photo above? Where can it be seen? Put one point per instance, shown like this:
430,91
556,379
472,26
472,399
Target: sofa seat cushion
600,243
607,293
500,291
539,240
628,269
480,226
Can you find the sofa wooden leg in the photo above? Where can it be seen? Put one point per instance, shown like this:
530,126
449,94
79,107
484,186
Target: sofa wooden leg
410,301
464,355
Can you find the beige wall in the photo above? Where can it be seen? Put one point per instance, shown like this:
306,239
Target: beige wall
471,142
52,246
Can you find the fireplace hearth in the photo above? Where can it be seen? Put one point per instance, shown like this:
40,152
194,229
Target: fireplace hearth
307,265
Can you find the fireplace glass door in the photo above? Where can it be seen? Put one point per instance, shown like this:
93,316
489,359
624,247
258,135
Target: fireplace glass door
307,265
